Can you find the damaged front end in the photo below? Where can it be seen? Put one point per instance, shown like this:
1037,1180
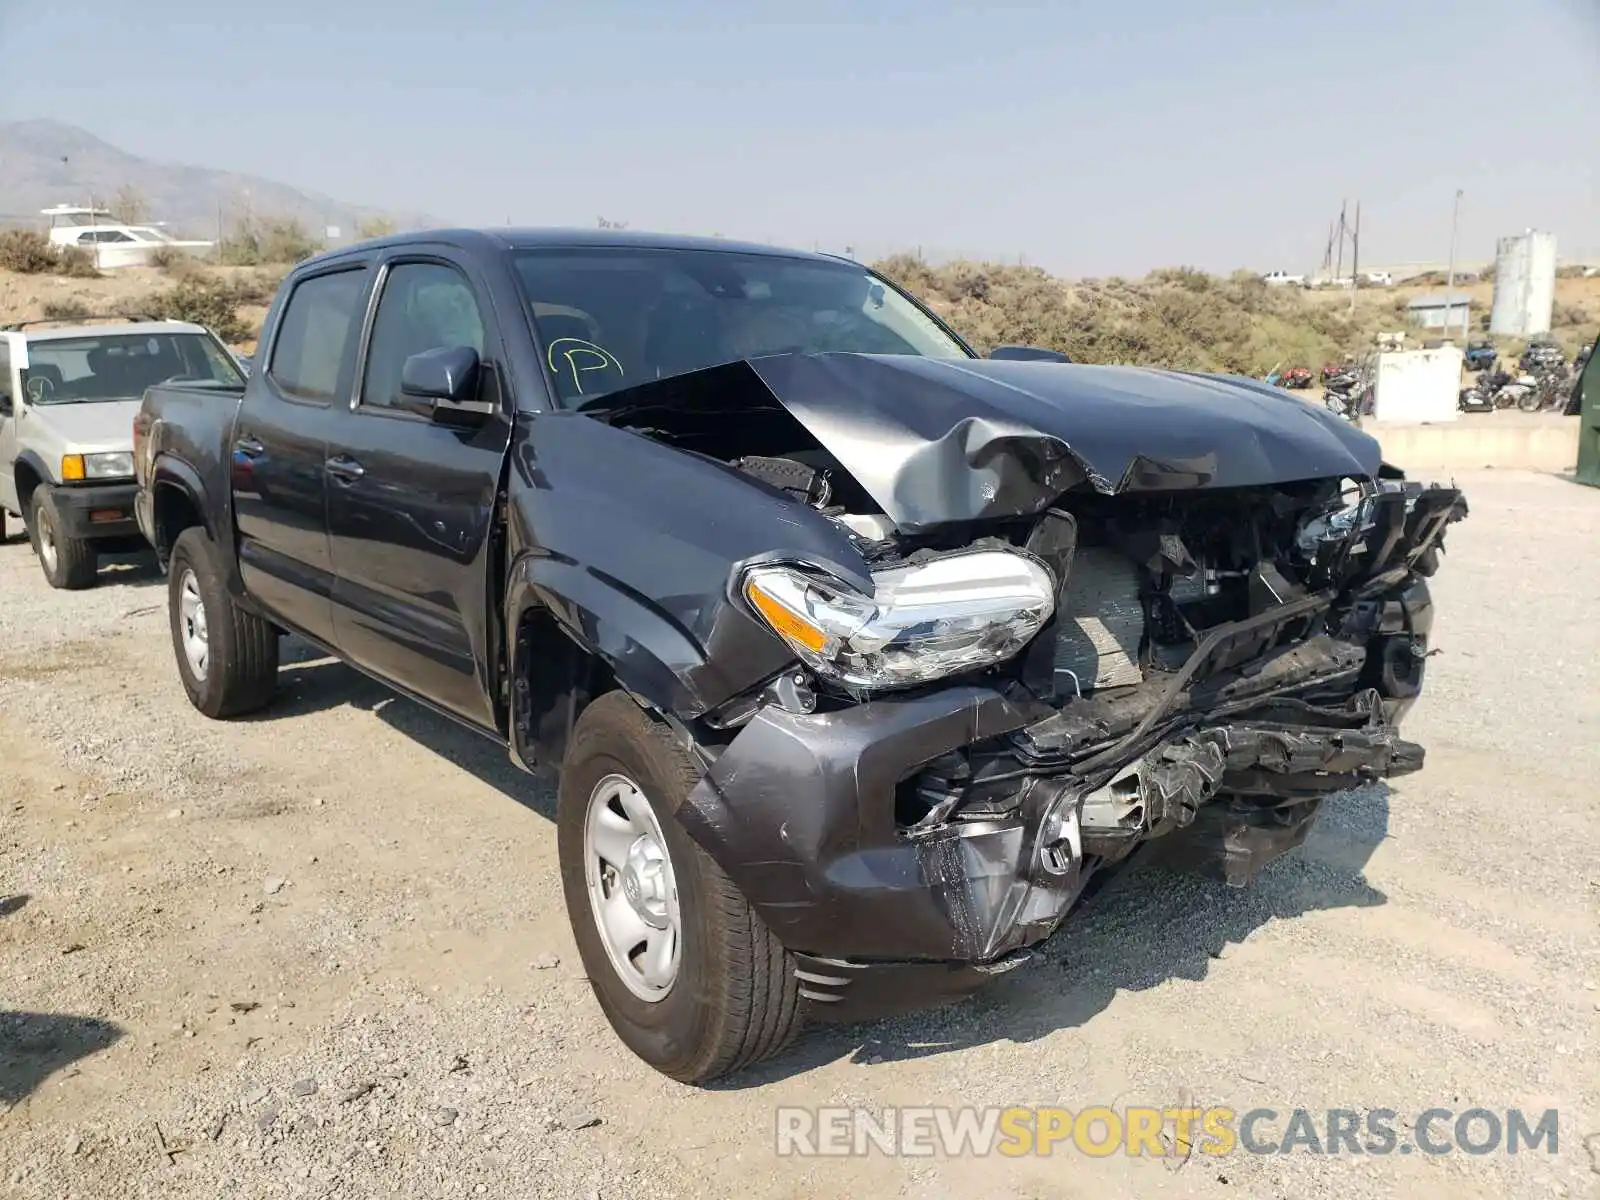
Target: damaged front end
1180,636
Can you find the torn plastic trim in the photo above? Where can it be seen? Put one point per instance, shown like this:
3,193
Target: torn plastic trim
799,811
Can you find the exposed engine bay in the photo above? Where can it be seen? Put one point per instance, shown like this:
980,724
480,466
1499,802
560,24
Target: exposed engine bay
1227,639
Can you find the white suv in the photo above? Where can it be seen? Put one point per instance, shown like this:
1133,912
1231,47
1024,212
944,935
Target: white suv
68,397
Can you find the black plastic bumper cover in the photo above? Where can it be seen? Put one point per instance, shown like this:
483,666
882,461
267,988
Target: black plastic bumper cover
75,505
799,811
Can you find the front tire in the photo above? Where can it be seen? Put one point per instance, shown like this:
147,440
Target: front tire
69,563
227,656
686,972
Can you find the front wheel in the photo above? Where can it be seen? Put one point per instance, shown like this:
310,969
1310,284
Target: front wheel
227,656
69,563
685,971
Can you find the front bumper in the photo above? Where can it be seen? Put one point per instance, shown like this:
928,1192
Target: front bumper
96,510
887,908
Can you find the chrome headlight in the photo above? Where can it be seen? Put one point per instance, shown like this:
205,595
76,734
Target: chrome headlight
114,464
118,464
922,622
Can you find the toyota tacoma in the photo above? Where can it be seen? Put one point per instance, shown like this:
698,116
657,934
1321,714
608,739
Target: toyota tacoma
858,656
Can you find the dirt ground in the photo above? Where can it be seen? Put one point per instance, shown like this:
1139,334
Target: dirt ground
323,952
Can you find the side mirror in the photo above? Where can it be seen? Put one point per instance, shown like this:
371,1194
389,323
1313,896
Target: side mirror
1028,354
442,385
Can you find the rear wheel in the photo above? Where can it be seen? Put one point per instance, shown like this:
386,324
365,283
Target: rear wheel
686,972
69,563
227,656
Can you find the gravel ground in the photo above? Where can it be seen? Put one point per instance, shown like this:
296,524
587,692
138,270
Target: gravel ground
323,952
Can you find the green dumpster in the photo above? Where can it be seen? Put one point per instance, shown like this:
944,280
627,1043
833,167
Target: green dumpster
1587,394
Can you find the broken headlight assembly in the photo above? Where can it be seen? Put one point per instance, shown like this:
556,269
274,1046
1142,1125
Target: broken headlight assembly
923,621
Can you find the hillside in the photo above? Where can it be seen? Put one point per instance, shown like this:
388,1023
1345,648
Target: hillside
45,163
1185,319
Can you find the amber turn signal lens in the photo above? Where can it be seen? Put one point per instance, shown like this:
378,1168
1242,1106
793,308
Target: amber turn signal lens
72,467
785,622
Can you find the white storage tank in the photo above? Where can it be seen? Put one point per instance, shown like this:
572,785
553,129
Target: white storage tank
1524,284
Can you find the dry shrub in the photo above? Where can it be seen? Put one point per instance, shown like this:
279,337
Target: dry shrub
200,298
68,309
28,252
260,241
1177,317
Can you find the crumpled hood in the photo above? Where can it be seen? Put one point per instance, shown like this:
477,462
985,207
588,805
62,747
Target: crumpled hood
935,441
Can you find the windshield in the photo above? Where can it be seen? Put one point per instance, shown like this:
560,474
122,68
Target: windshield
615,318
120,366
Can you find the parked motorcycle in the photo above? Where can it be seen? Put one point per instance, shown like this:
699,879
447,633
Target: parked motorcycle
1343,381
1541,355
1475,399
1514,393
1549,393
1341,406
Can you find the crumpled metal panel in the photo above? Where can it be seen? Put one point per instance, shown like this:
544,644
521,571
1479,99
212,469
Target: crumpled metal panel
935,441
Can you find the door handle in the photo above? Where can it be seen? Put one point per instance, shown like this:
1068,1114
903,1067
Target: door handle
345,468
249,447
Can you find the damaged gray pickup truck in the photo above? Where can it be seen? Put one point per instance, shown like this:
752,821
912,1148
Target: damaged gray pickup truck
859,656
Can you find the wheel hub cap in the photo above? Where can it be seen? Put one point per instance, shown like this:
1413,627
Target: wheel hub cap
633,895
193,633
644,882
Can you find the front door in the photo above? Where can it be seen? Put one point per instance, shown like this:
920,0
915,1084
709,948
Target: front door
411,503
280,448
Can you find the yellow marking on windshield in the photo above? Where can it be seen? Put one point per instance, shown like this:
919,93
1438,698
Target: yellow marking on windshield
581,357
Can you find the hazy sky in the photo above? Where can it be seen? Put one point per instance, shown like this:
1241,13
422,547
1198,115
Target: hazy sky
1091,138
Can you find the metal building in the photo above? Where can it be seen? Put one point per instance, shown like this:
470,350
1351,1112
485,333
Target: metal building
1524,284
1435,310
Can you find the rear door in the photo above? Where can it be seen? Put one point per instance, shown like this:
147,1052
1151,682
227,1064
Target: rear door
280,448
411,503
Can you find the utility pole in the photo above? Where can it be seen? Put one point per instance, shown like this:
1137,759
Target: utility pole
1355,258
1450,277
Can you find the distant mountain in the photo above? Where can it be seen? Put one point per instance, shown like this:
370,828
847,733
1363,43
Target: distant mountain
45,163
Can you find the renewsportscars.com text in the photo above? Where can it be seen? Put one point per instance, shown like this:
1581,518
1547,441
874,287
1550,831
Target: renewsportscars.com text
1100,1131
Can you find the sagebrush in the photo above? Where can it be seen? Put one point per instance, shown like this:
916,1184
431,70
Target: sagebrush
1177,317
29,252
69,308
204,300
263,241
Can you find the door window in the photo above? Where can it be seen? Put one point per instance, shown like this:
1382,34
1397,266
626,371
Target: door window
318,322
425,306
